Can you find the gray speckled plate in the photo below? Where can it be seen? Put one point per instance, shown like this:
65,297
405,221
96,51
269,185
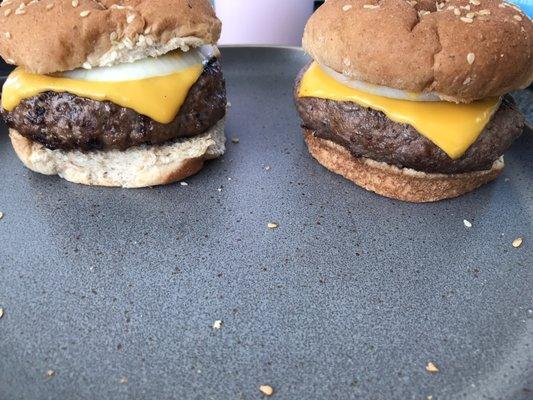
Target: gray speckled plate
350,297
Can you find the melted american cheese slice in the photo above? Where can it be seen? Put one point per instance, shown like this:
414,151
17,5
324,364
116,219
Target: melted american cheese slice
452,127
159,98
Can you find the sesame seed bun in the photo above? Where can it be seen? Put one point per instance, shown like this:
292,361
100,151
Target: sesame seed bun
50,36
397,183
136,167
462,50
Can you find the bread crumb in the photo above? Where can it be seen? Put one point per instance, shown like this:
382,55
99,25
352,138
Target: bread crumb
266,390
432,368
518,242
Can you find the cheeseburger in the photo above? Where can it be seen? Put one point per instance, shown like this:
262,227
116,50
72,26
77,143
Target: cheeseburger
124,93
409,99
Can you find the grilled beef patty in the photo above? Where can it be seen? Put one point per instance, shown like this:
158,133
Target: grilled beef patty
68,122
369,133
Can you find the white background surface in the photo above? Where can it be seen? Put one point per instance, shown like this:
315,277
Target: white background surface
278,22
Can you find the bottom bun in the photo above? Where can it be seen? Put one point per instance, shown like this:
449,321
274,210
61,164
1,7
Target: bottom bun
397,183
136,167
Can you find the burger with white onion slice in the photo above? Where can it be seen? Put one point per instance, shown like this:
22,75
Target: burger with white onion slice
409,99
125,93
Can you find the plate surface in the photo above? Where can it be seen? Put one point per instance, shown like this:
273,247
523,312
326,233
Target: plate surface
350,297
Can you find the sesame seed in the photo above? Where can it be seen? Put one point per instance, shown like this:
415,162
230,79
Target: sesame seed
422,13
467,223
272,225
75,3
347,7
266,390
130,18
87,65
484,12
148,30
517,17
235,140
84,14
456,11
517,242
123,380
467,81
1,312
430,367
470,58
450,8
184,184
49,6
467,20
470,15
475,2
50,373
346,61
10,61
1,215
370,6
7,12
218,324
412,3
20,11
7,35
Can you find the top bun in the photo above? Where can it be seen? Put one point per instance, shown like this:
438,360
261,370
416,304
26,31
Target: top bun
46,36
462,50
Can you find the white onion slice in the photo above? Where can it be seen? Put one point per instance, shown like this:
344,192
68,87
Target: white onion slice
382,91
167,64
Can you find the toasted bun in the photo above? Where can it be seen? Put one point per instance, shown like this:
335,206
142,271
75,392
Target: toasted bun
49,36
390,181
136,167
414,46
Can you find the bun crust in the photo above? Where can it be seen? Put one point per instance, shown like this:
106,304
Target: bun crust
136,167
462,50
51,36
390,181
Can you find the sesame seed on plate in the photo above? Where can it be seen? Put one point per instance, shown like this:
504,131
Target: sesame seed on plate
467,223
266,390
470,58
430,367
517,242
218,324
272,225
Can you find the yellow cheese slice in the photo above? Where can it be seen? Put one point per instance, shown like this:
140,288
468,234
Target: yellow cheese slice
452,127
159,98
